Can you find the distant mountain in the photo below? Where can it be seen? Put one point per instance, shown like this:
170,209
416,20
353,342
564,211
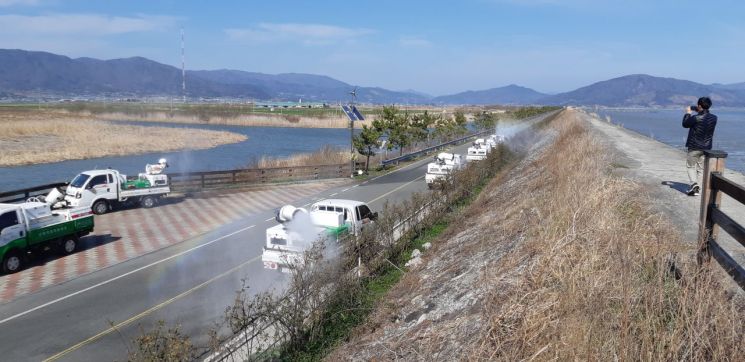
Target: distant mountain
23,72
646,91
511,94
26,71
733,86
310,87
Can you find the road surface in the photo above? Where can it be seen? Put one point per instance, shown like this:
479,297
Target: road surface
95,316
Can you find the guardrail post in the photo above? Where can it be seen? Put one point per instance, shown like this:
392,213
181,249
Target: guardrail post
707,230
202,180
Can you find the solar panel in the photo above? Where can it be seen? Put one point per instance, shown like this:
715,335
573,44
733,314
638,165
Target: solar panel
353,113
357,113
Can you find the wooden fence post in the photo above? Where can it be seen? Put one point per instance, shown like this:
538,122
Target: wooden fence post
707,230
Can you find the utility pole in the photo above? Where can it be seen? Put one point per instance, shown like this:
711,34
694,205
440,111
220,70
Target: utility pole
351,132
183,68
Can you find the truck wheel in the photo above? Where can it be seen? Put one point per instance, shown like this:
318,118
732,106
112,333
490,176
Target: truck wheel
100,207
147,202
12,262
68,246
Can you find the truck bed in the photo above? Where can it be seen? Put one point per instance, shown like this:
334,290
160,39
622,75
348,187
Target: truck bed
155,190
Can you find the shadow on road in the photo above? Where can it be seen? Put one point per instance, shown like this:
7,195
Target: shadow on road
678,186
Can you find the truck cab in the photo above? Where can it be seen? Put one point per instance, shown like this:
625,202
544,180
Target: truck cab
94,188
328,220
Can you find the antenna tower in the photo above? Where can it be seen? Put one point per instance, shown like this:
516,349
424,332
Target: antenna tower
183,68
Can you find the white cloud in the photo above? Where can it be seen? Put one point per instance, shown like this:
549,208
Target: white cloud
18,2
309,34
409,41
83,24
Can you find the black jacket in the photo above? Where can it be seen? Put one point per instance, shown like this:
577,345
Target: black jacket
700,130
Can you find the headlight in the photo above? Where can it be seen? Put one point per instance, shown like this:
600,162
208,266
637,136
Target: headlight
78,195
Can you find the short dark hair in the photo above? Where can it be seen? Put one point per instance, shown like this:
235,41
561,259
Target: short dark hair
704,102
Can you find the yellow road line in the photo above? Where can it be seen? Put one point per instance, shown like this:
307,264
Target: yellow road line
147,312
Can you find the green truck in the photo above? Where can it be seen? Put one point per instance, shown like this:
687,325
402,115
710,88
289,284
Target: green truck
33,227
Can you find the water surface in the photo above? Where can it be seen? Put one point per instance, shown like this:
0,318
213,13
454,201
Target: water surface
269,141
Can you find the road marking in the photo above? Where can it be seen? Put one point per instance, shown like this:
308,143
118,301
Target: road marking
334,194
148,311
122,275
396,189
346,189
269,219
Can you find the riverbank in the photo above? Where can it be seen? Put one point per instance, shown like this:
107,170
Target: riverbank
565,257
209,114
44,137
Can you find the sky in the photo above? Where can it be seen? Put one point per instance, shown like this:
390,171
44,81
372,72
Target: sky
432,46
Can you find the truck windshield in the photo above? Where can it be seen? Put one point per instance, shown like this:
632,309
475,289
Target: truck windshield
79,180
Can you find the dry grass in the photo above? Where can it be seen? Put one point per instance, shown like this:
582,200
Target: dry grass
40,138
591,278
246,120
327,155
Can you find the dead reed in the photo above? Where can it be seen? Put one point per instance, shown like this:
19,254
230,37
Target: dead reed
29,139
597,273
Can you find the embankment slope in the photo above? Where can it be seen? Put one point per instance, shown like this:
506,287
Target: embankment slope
562,257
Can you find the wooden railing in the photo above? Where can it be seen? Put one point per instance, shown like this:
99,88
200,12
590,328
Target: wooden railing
195,181
712,218
192,181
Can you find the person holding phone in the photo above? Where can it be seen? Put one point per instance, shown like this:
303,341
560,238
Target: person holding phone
700,138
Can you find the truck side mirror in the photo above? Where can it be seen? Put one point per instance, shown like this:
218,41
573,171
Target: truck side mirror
374,216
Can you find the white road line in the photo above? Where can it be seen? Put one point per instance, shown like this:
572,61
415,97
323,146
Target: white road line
334,194
123,275
346,189
269,219
396,189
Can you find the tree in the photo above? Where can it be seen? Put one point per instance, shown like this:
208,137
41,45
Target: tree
460,123
444,128
419,127
485,120
398,132
366,142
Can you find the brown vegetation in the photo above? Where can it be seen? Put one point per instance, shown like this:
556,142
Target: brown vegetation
40,137
327,155
560,260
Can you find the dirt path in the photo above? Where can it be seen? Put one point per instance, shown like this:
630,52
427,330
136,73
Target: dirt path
661,168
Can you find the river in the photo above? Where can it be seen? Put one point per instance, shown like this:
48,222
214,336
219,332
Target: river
664,125
262,141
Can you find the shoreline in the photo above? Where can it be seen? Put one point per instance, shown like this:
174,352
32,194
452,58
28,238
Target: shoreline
28,141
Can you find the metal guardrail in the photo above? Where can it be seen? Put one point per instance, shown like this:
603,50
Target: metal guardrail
24,194
712,217
430,149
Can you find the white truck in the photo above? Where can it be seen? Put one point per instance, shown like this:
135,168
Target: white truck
299,229
33,226
444,164
101,190
478,151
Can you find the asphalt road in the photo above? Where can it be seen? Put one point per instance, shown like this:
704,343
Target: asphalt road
95,317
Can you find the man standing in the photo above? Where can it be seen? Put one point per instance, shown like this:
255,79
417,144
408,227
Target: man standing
700,134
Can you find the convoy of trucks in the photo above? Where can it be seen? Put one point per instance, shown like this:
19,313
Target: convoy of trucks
58,220
298,229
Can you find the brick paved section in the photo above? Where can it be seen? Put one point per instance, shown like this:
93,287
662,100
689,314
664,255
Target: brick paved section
126,234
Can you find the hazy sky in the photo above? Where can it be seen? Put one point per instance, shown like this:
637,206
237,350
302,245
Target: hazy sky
432,46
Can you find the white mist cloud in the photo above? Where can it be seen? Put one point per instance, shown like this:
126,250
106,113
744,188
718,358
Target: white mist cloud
409,41
309,34
19,2
83,24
